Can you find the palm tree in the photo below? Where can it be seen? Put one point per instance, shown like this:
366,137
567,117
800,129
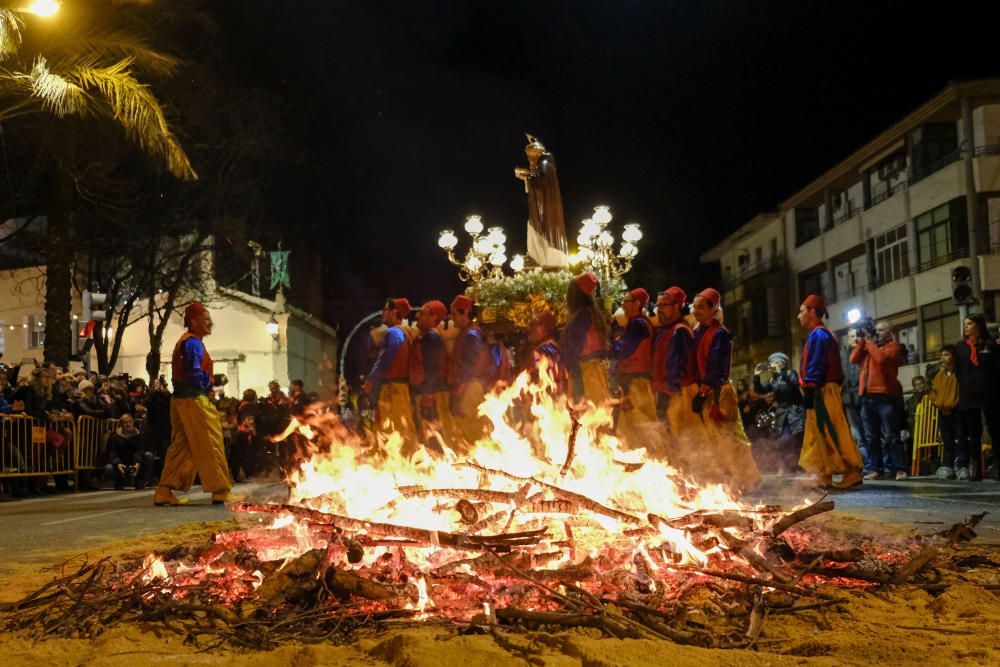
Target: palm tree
85,64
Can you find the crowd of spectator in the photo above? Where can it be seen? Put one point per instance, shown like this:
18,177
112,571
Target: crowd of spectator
963,387
135,449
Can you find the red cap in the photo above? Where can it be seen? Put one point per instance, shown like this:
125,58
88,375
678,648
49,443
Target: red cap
462,303
816,302
403,307
193,310
712,296
587,282
640,295
545,319
676,295
436,308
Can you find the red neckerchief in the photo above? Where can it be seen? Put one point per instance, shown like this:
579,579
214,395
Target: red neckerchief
973,352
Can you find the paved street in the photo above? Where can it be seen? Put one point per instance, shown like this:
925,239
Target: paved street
35,529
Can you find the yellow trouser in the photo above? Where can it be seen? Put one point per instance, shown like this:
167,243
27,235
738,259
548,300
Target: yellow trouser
827,445
196,447
726,456
637,423
394,414
595,381
441,421
469,425
686,434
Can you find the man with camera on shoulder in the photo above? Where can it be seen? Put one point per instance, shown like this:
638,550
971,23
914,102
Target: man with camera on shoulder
880,356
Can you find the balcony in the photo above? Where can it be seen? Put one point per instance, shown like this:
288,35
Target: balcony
750,270
918,172
880,194
846,215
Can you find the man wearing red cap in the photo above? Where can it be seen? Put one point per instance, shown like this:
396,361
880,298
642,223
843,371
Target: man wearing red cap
586,341
470,372
428,378
547,353
827,446
673,374
388,383
728,458
632,352
196,446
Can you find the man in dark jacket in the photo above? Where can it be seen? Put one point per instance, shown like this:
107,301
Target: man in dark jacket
849,391
127,462
880,356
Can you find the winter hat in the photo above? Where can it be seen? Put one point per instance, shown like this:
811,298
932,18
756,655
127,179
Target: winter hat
712,296
462,303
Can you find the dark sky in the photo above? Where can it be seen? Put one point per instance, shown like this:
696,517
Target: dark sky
688,117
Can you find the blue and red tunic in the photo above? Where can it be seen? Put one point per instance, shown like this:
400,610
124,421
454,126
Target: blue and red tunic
672,360
191,367
470,359
713,354
429,355
821,359
583,341
633,351
393,362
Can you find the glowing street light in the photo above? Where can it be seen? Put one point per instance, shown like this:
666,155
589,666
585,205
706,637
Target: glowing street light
853,315
43,8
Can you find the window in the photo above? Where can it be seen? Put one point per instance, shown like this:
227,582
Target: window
932,147
891,258
941,234
36,331
810,284
774,246
759,255
941,326
806,225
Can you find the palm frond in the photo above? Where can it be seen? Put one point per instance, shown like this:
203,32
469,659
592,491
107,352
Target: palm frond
133,105
102,46
10,33
60,96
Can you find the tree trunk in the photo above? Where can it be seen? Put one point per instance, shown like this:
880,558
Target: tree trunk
58,263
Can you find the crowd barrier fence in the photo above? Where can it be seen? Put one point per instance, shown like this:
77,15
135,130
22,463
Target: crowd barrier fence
56,446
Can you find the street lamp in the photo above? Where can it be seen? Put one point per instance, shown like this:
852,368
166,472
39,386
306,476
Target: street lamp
43,8
486,255
596,245
272,327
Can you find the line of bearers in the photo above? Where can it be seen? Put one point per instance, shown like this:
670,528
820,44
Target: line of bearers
668,384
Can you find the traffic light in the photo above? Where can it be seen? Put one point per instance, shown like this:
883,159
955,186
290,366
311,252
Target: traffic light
93,307
961,286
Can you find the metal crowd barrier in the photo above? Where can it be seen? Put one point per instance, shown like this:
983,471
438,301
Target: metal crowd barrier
92,440
33,448
925,433
62,446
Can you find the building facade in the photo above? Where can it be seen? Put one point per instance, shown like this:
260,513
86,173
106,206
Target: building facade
879,234
242,344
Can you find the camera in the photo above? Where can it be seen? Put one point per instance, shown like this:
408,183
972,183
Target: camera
866,327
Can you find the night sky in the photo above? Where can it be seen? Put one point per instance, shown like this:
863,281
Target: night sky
687,117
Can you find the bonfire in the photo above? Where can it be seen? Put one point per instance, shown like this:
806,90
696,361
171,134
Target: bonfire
551,521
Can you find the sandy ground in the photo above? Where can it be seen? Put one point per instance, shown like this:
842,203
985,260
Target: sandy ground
902,626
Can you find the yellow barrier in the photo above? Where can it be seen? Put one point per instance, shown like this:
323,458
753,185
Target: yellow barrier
92,440
25,450
925,433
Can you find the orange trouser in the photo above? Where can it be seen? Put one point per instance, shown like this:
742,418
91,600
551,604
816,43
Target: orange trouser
437,420
196,447
827,445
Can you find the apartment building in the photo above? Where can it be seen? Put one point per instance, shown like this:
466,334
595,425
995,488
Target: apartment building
880,233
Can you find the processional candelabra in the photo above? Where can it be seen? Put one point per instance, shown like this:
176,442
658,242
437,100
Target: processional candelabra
486,255
596,246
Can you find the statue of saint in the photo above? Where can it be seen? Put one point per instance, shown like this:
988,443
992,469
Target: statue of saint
546,225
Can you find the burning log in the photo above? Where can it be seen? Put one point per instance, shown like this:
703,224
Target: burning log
421,535
905,573
583,501
795,517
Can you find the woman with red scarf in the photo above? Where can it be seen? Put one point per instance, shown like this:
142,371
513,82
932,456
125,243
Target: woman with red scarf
977,367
